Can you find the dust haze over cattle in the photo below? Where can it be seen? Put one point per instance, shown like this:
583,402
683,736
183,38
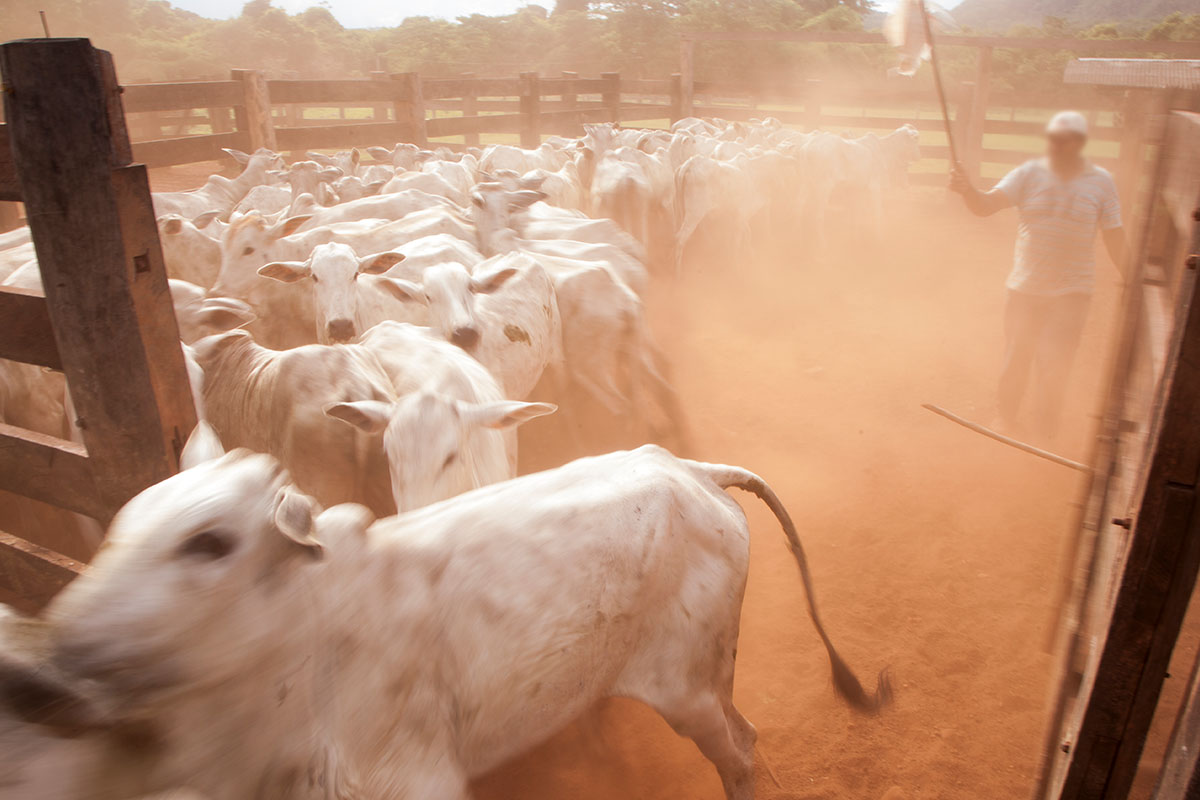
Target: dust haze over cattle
453,330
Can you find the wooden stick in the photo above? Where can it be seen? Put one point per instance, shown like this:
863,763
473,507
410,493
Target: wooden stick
45,24
1028,448
937,82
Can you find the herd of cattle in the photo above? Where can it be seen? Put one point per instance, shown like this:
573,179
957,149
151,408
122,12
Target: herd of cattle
376,331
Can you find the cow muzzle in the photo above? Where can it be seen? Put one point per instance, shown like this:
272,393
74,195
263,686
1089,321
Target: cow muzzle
340,330
466,338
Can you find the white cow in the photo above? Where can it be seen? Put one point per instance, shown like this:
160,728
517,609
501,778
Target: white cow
265,651
219,193
450,430
505,314
190,253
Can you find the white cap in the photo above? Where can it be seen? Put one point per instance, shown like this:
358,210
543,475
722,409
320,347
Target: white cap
1067,122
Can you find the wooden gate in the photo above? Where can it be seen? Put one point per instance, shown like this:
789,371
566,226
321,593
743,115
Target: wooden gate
105,320
1138,545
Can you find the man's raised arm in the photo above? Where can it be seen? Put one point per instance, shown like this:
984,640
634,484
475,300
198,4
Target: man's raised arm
981,204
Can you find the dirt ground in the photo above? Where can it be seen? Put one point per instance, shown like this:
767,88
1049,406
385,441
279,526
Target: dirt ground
936,553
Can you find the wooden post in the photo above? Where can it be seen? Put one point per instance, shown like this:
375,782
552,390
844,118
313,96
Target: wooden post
687,76
256,120
470,107
531,111
963,111
610,98
102,268
219,120
812,104
570,101
410,111
971,143
1131,156
379,112
676,97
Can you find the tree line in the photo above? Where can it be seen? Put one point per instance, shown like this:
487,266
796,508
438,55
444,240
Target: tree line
154,41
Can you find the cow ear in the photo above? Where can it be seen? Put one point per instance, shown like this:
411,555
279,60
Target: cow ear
287,227
203,445
379,263
405,291
532,182
504,414
294,519
524,198
320,158
203,220
380,154
225,313
374,187
172,225
355,156
369,416
285,271
237,155
486,284
330,174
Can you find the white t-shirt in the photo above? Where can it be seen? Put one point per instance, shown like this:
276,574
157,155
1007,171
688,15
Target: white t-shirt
1055,252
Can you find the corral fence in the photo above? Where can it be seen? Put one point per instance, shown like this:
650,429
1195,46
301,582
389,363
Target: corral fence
182,123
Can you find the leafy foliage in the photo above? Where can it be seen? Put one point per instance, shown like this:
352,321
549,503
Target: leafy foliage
153,40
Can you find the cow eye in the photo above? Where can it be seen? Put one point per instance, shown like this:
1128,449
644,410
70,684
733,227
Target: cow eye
210,545
248,251
450,459
315,278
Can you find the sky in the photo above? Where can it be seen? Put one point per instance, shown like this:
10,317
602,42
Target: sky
383,13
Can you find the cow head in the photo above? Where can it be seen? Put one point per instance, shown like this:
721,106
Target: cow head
450,292
245,246
195,579
492,206
437,446
333,270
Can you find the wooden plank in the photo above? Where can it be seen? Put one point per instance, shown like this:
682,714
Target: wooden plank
10,187
645,86
52,470
189,149
1102,133
469,106
610,97
30,575
1081,46
640,111
138,97
97,242
339,136
497,87
28,336
458,126
676,97
367,92
458,87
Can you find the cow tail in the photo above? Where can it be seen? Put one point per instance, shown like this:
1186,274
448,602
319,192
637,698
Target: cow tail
844,680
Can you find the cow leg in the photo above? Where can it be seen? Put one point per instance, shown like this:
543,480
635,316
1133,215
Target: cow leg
724,737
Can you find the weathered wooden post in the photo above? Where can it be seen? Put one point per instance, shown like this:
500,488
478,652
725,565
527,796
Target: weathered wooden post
255,117
379,112
530,110
470,105
410,107
971,143
102,270
610,97
676,101
687,75
1131,157
570,102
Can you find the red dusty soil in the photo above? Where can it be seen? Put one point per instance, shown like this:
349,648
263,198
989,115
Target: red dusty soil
936,553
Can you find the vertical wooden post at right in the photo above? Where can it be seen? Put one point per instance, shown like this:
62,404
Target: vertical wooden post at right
687,76
610,97
530,110
676,103
255,120
409,108
972,144
570,102
470,105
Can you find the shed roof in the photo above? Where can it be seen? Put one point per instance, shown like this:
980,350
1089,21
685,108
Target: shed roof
1146,73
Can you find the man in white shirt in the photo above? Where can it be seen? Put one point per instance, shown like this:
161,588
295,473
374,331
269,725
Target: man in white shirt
1062,200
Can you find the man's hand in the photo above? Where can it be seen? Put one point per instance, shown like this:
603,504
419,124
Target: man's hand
959,182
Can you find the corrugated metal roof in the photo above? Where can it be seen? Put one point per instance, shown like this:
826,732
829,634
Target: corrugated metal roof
1147,73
